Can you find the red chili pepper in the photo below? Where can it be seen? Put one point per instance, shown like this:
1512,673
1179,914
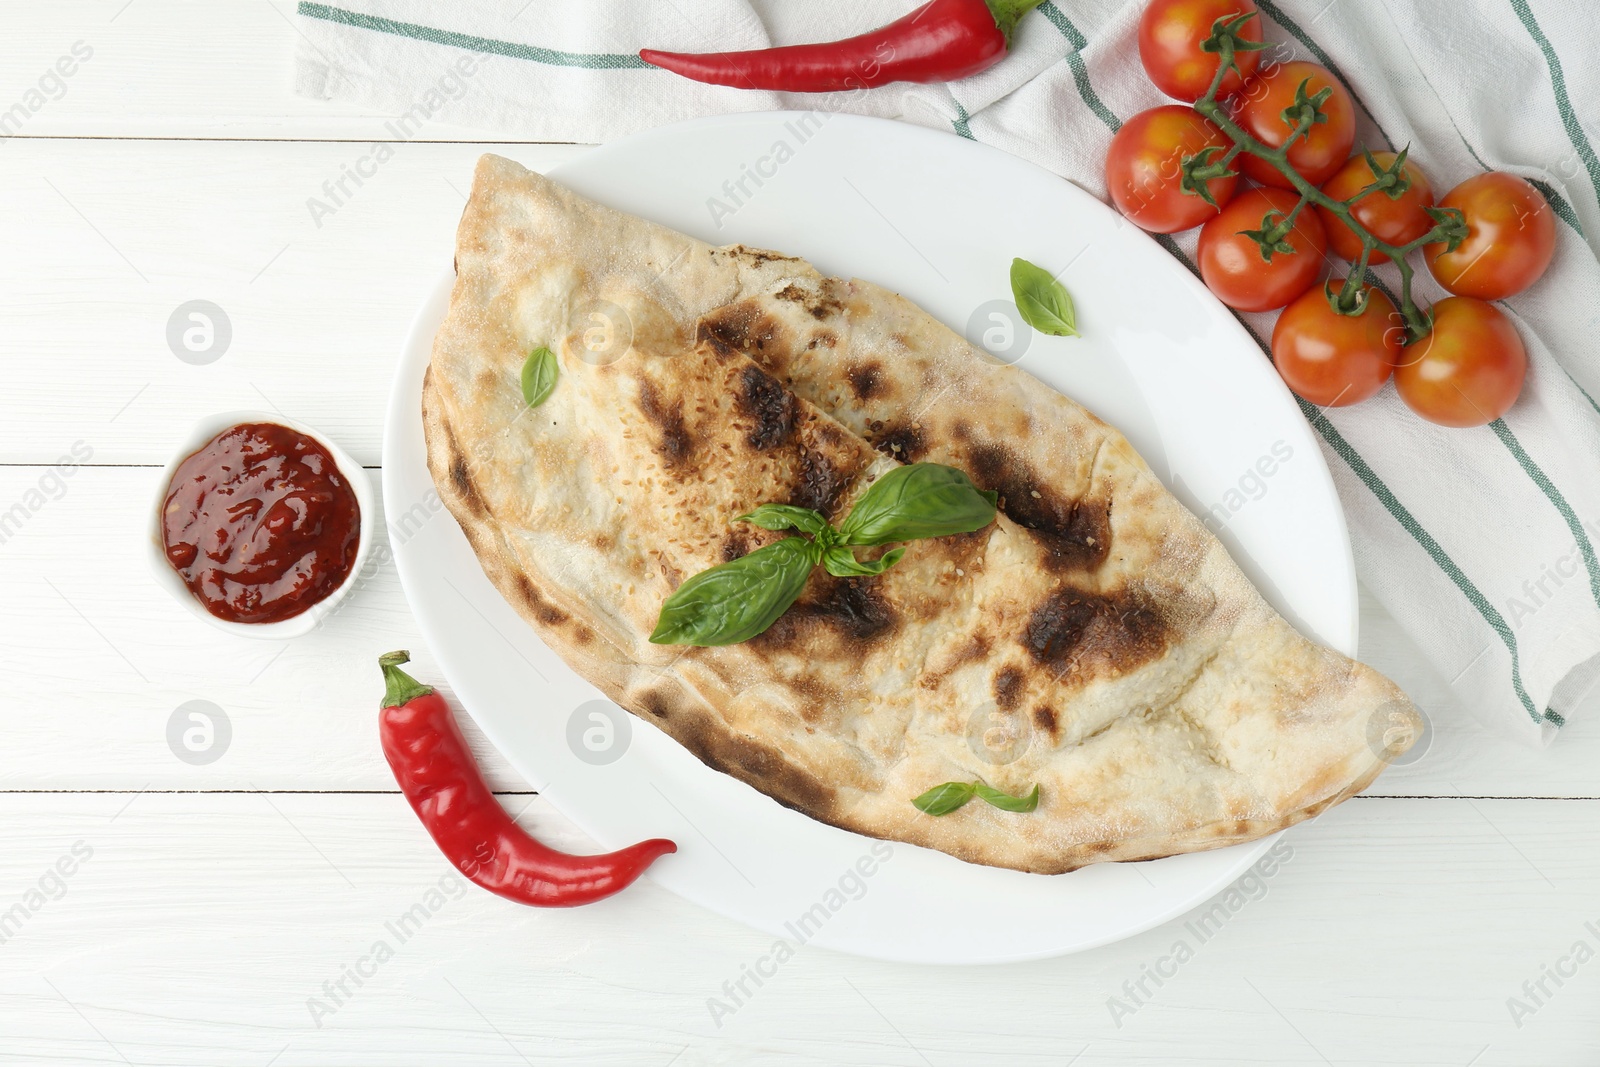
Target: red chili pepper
438,775
940,41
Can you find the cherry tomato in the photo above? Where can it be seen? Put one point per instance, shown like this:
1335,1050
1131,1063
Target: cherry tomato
1468,370
1396,221
1511,235
1232,264
1335,360
1170,34
1259,110
1144,168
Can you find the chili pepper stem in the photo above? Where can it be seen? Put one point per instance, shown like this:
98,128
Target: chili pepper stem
398,686
1007,13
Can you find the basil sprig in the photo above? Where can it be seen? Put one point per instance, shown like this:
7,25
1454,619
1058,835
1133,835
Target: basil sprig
1043,302
737,600
943,799
539,375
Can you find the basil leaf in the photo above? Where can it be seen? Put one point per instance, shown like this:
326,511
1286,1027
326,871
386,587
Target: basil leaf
736,600
943,799
1043,302
1005,801
785,517
915,501
840,562
539,375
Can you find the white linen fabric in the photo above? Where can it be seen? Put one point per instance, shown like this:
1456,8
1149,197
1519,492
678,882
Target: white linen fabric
1480,541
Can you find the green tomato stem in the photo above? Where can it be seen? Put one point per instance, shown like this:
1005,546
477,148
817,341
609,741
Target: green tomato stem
1418,322
1224,64
1285,226
1350,299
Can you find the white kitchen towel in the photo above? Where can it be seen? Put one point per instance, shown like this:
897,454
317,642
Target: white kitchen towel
1480,542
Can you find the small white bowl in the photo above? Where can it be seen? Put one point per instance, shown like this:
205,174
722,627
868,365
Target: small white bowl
303,623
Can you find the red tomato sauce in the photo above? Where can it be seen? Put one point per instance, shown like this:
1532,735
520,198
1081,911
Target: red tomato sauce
260,523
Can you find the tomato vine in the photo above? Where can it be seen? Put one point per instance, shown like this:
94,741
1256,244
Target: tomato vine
1307,111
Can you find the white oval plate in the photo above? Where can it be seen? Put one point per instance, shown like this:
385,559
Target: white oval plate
939,219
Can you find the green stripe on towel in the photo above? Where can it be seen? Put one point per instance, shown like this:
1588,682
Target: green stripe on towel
1403,516
963,121
1080,72
1537,474
533,53
1558,82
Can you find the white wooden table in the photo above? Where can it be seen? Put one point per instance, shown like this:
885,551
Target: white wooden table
211,908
